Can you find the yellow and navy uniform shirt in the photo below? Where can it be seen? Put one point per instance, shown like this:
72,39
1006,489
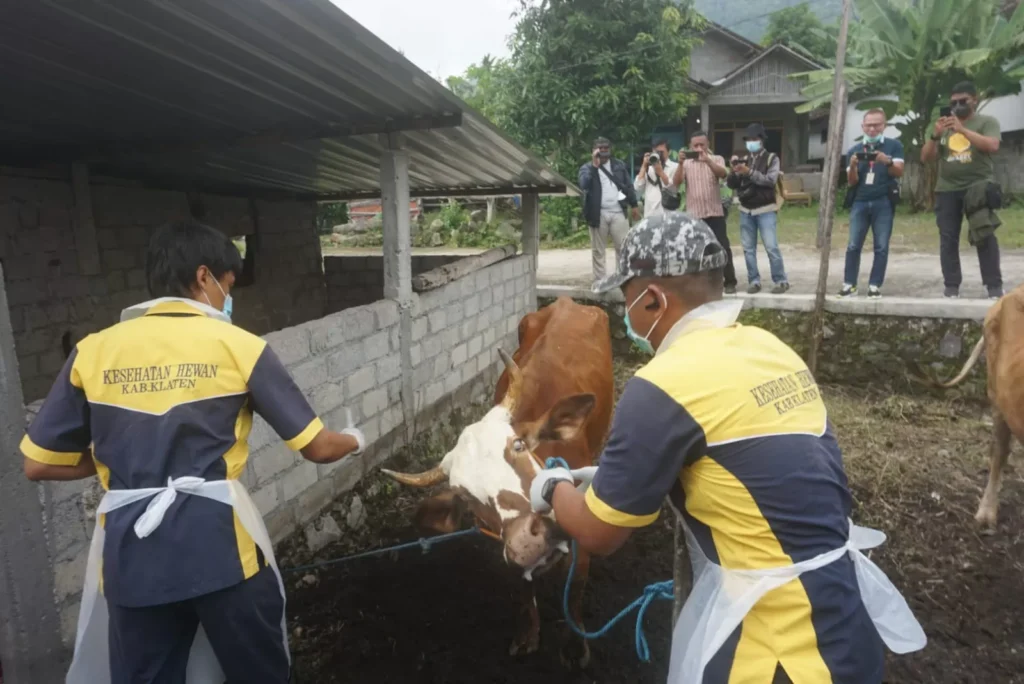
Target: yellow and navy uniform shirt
730,425
166,395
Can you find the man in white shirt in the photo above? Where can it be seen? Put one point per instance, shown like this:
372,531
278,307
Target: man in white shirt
606,192
655,181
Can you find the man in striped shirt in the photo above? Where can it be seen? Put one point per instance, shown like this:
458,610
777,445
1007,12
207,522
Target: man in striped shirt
703,197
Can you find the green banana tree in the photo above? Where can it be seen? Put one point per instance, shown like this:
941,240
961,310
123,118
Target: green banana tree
915,51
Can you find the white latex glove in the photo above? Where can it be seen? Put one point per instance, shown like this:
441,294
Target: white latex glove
355,433
585,476
540,482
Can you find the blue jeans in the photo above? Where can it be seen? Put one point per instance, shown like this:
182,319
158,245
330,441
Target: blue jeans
767,226
877,215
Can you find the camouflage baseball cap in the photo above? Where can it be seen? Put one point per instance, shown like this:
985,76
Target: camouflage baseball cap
663,246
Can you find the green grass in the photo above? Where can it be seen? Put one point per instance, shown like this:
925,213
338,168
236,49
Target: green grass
798,226
911,232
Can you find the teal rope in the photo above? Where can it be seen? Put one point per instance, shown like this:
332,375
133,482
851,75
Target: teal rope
652,592
425,544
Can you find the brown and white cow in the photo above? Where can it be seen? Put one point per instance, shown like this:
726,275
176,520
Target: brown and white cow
553,399
1003,344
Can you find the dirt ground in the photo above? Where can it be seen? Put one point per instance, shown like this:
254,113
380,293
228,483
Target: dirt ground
917,467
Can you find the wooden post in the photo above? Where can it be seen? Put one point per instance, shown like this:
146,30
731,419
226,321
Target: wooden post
682,572
829,188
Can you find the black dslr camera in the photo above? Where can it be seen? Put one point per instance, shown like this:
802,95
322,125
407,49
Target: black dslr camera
656,157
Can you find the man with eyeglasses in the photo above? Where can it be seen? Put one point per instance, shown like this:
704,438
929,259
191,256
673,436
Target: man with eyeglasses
964,143
876,164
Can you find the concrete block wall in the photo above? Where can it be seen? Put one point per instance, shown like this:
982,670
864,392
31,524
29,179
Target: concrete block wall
353,360
50,298
357,280
457,329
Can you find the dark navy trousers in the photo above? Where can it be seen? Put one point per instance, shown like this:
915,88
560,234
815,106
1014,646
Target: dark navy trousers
151,645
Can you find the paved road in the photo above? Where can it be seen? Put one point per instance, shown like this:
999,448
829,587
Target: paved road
908,274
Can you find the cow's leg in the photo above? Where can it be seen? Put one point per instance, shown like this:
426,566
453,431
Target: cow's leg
528,639
988,509
575,650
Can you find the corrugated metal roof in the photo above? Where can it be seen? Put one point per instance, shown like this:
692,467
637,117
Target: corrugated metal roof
237,96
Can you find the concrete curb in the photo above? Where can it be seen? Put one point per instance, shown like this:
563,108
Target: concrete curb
905,307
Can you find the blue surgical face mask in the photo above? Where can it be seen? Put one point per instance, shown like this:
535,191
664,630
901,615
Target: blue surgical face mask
642,343
753,146
873,138
228,302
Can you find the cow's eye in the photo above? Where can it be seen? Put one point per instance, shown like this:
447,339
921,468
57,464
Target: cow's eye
518,445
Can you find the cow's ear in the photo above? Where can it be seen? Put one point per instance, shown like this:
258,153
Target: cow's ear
563,421
441,514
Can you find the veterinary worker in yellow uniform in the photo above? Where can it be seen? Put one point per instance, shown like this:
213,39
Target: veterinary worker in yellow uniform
728,423
160,407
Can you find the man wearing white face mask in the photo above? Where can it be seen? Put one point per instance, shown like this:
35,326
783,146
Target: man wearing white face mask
160,407
754,178
728,423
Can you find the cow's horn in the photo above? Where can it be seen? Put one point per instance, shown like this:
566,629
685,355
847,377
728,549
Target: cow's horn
427,479
515,381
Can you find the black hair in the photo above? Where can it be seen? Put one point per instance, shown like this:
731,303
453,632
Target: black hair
699,133
966,88
602,141
178,249
659,142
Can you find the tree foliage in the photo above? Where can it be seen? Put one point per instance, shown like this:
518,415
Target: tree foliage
916,50
799,28
582,68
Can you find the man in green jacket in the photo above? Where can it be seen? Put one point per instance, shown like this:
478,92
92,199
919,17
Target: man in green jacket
964,143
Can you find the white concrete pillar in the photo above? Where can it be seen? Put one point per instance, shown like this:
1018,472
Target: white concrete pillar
394,191
705,117
531,225
531,239
31,649
491,206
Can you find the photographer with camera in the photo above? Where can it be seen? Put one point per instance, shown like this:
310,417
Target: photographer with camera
655,181
964,143
606,193
754,178
701,171
876,164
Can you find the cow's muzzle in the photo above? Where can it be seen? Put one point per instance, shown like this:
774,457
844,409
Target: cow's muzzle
533,543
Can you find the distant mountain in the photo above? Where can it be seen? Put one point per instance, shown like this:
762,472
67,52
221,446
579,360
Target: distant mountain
749,18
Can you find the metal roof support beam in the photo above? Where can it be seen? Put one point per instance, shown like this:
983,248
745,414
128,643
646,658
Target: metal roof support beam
30,637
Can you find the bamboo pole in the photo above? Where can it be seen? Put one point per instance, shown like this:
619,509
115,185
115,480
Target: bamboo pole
829,188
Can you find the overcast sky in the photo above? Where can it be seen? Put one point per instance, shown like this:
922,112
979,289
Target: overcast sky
442,37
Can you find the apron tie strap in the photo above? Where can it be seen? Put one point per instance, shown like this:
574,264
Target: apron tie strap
161,502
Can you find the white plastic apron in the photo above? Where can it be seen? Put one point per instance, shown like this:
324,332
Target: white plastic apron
721,598
91,662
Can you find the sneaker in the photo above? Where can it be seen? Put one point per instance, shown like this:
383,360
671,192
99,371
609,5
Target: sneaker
874,292
951,292
753,288
730,289
995,293
848,290
780,288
